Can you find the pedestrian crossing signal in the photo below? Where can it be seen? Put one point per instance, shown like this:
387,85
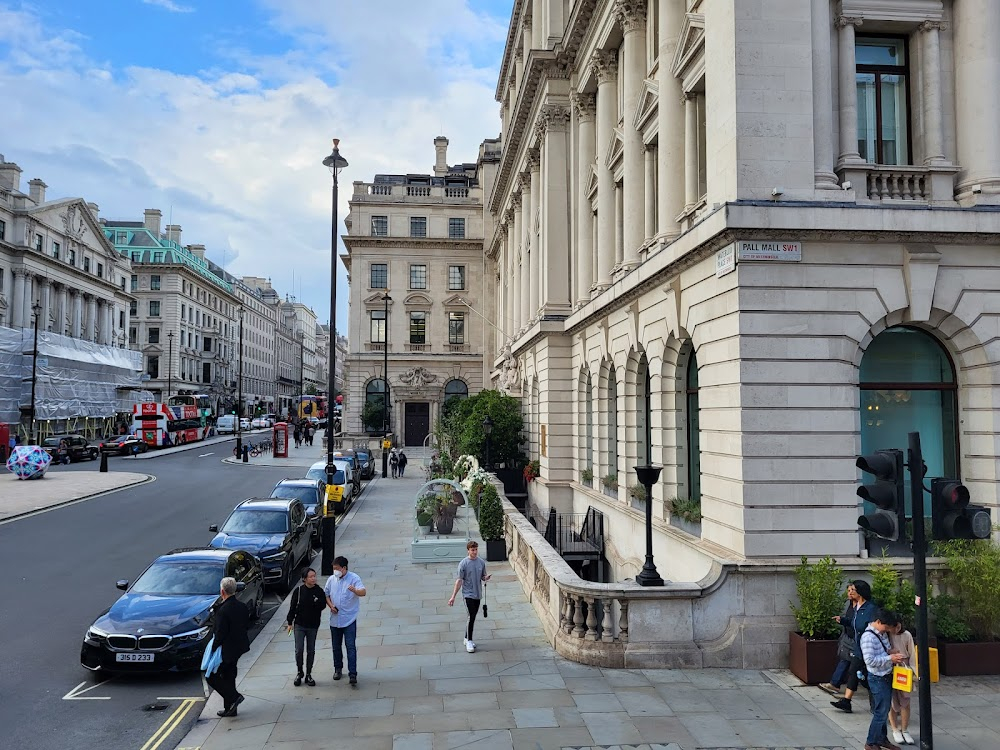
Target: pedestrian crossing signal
886,494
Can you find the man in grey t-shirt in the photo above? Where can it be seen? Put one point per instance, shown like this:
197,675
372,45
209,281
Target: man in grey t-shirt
471,574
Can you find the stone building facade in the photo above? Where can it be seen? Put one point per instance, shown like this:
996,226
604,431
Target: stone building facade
415,259
747,242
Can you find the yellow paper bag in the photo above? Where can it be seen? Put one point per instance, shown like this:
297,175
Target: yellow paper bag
902,679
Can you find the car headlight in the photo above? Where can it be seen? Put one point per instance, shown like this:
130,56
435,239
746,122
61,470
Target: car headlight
276,556
194,635
94,633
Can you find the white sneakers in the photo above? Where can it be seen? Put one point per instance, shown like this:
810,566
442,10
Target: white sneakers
901,738
470,646
907,738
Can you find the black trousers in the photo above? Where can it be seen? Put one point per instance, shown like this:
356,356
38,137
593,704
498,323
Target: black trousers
473,607
223,681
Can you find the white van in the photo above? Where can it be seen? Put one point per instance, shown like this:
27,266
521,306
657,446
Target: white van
226,424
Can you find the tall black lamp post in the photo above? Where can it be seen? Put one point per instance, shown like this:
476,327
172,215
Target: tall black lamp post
385,391
170,364
37,310
648,476
334,162
239,401
488,432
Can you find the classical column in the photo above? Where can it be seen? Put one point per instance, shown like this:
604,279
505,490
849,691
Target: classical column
650,191
670,150
45,324
17,310
29,298
76,325
619,226
516,201
977,93
848,92
931,69
690,150
61,325
91,334
632,17
822,80
605,67
556,292
585,106
534,232
526,249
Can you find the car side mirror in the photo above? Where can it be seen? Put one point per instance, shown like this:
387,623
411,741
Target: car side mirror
240,586
214,527
122,585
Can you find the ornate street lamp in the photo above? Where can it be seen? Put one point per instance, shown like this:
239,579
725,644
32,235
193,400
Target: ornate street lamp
170,365
385,383
37,310
648,476
239,402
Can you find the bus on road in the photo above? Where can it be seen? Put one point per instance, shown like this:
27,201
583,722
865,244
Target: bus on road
311,406
160,425
201,401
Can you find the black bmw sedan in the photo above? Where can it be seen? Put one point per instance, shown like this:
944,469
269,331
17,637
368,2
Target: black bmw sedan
164,620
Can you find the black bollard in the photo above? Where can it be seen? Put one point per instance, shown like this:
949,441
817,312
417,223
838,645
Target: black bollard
246,454
104,461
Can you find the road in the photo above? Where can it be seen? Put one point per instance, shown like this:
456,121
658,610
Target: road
61,567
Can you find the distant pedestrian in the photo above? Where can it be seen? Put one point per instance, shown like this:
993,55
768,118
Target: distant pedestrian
471,574
232,621
310,431
343,591
876,649
402,463
297,434
899,710
307,605
62,453
394,463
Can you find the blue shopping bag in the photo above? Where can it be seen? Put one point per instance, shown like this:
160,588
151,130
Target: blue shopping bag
211,659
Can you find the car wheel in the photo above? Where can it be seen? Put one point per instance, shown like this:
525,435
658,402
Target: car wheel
288,580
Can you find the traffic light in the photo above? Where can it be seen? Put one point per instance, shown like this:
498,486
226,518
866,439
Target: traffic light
951,515
886,494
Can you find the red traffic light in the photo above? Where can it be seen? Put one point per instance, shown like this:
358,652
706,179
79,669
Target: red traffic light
955,495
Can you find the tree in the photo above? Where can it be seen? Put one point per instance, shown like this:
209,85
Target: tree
466,424
373,413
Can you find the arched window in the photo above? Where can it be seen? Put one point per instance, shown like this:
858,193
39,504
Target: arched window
908,385
455,389
644,433
612,406
589,449
693,431
375,415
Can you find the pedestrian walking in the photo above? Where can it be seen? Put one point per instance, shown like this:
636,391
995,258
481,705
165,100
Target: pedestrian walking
471,574
344,590
394,463
864,611
310,432
307,604
402,463
876,649
845,647
297,434
62,453
232,621
899,709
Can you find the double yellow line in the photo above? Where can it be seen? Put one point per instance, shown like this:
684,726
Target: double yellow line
172,722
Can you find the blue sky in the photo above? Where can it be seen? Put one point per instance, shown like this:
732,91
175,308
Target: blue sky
219,112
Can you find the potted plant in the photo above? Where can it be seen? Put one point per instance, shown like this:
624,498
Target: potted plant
685,514
425,519
532,470
610,484
975,579
892,591
812,649
638,494
491,523
587,475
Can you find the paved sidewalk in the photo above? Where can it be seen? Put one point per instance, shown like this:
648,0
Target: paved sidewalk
19,497
420,690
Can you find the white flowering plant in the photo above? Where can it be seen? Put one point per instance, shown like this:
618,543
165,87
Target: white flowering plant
464,466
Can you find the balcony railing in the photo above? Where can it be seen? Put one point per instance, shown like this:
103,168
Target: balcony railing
458,348
881,183
418,347
419,193
372,347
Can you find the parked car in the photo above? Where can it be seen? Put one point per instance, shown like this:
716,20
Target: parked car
79,447
245,424
277,530
367,463
163,621
312,494
343,477
349,454
124,445
226,424
261,423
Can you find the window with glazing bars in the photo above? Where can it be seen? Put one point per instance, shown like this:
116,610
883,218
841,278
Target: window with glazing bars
377,326
380,276
418,328
380,226
456,229
883,100
418,277
456,328
456,277
418,226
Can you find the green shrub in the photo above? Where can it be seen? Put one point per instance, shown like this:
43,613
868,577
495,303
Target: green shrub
587,474
610,481
975,573
490,513
948,623
686,509
424,518
637,491
891,591
820,587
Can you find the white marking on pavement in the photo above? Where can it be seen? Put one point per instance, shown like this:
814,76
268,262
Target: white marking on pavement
77,695
206,454
178,698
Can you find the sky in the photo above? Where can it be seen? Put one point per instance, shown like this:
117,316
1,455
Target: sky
220,112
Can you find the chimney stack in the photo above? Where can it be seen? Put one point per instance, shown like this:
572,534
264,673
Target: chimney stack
36,190
174,232
10,175
197,250
441,156
151,220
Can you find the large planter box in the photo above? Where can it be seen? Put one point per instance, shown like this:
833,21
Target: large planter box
812,661
496,550
958,659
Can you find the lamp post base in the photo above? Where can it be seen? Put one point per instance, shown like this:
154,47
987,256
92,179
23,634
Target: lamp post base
648,576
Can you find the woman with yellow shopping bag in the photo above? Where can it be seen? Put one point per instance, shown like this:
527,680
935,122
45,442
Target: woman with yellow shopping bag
903,678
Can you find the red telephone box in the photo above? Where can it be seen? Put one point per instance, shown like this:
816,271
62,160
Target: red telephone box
281,440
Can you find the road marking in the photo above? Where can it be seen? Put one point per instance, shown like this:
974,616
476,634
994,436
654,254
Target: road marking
75,694
178,698
172,722
206,454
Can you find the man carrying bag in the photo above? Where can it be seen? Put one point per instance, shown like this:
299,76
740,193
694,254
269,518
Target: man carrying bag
232,621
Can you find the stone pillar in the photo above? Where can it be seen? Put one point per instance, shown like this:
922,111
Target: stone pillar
977,94
534,224
91,334
650,192
64,312
585,105
848,92
29,298
619,227
690,151
76,325
17,310
632,17
45,323
556,293
822,80
605,68
526,262
931,70
515,260
670,151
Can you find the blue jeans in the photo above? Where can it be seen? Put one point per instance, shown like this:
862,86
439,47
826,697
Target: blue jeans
880,687
840,673
350,635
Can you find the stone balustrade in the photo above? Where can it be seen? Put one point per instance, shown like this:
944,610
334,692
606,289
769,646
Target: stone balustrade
886,184
417,193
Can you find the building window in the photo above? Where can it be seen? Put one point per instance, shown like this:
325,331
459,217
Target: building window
154,308
154,283
375,415
121,318
644,432
153,367
418,226
3,229
456,229
612,415
380,276
122,283
154,335
55,250
121,238
418,277
86,265
133,335
456,328
133,308
693,431
72,257
456,277
157,257
135,283
455,388
380,226
883,100
100,270
908,384
418,328
39,242
589,435
378,326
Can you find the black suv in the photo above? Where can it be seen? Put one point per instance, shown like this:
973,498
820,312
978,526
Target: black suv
277,530
312,493
79,447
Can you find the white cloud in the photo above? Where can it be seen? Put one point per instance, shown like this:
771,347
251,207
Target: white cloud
234,156
169,5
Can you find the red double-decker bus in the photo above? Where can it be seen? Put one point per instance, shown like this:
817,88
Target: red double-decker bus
161,425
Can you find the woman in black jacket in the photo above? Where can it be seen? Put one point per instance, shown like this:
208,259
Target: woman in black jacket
845,647
307,604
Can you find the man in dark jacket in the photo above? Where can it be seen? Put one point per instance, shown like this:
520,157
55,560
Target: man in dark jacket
232,621
307,604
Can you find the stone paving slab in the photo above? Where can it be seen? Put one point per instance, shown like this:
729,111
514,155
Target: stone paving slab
20,497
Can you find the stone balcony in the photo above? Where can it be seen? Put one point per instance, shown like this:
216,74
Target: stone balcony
384,193
905,185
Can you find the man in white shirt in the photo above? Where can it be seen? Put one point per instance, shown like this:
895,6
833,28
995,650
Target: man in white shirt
343,591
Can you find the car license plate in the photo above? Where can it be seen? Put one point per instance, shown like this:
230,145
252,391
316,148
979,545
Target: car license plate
134,657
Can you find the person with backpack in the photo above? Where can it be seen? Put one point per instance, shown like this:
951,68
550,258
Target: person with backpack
402,463
307,605
880,658
864,611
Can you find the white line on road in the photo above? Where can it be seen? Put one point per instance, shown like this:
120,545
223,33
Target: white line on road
77,695
178,698
206,454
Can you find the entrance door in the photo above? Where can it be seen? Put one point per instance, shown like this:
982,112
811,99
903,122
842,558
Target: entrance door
418,422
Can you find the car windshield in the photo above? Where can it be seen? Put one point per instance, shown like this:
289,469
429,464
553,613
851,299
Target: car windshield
319,472
180,579
51,442
257,522
296,492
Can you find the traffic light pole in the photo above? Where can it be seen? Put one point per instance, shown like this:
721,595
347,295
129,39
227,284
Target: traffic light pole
916,466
